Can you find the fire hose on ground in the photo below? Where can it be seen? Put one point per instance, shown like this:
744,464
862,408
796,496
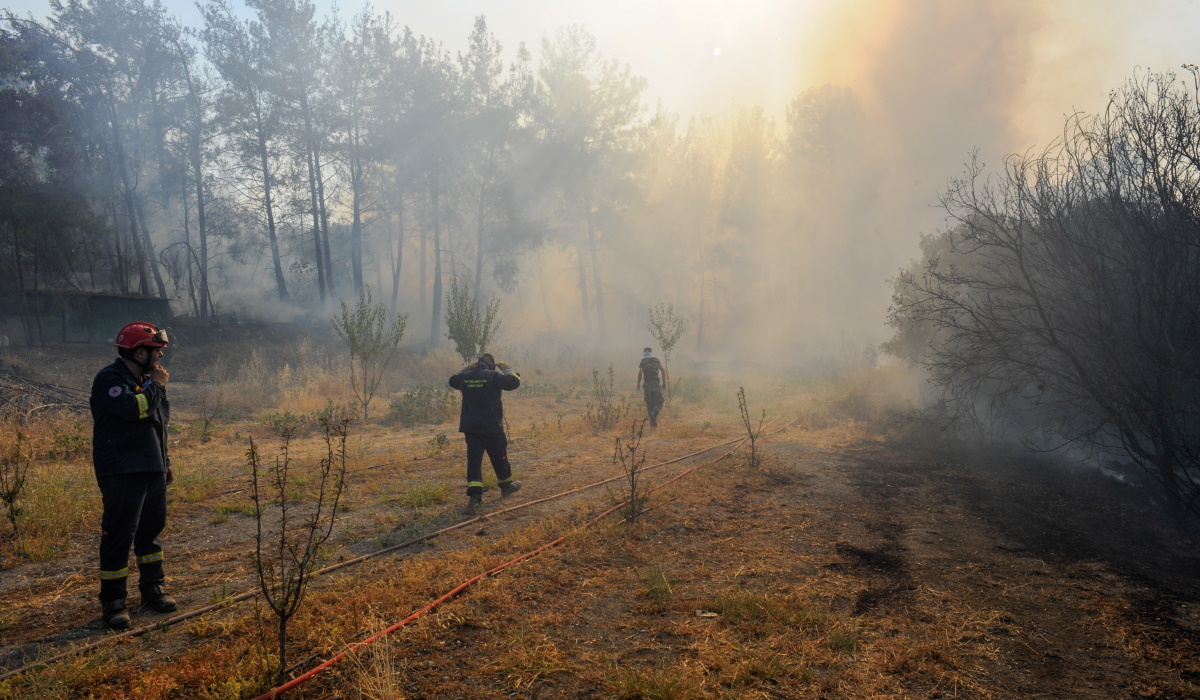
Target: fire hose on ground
454,592
233,600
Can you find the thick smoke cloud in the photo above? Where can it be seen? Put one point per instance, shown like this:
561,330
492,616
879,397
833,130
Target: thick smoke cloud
934,81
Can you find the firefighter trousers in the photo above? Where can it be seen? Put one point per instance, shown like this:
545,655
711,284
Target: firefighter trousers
496,446
135,513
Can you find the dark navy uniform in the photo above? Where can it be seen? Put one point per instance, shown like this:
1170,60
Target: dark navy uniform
129,453
481,421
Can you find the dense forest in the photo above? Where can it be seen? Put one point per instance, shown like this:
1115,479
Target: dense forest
272,162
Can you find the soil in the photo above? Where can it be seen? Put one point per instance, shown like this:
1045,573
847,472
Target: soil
928,572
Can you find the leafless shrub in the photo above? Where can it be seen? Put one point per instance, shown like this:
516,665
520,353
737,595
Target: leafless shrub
667,329
287,541
631,458
752,431
212,400
608,407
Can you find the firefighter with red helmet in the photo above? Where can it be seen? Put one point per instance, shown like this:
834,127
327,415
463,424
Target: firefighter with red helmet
130,413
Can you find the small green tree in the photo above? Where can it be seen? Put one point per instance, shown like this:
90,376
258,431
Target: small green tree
372,343
471,328
667,329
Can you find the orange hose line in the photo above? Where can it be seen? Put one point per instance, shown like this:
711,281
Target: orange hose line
454,592
164,624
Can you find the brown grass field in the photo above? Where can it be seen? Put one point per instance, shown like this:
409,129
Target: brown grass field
862,559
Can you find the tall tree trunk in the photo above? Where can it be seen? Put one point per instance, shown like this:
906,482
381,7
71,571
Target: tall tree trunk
201,226
591,229
127,193
583,292
187,248
398,261
37,303
356,265
329,276
160,147
316,190
150,253
22,301
316,216
135,237
424,281
700,321
280,283
356,184
436,316
120,265
545,300
480,213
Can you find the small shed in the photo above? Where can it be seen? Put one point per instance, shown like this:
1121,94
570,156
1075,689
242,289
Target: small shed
75,317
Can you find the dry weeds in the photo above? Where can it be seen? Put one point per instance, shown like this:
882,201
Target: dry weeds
838,569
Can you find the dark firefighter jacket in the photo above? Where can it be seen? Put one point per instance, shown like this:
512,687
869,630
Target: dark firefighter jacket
482,407
129,423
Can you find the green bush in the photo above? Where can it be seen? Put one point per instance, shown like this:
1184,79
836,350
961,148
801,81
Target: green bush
70,442
278,421
424,404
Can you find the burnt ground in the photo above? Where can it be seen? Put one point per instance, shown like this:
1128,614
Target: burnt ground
1080,565
843,567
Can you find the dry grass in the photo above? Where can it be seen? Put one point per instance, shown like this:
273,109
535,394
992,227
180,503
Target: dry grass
612,612
59,497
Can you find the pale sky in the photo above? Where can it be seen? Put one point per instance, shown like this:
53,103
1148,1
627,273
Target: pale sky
705,55
710,55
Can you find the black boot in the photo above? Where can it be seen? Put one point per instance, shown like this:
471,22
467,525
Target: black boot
112,602
115,614
155,597
509,489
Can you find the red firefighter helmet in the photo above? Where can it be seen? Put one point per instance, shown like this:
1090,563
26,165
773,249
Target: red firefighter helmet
139,334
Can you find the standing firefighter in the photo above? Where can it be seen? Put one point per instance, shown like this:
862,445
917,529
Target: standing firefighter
130,413
482,423
648,371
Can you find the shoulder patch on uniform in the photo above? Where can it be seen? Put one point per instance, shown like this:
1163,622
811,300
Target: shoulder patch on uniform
116,391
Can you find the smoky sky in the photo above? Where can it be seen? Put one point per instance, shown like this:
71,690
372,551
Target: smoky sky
918,86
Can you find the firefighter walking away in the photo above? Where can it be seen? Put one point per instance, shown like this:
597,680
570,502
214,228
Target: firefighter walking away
648,371
481,422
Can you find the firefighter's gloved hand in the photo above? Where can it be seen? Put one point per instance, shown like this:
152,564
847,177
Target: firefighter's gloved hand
505,368
170,476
